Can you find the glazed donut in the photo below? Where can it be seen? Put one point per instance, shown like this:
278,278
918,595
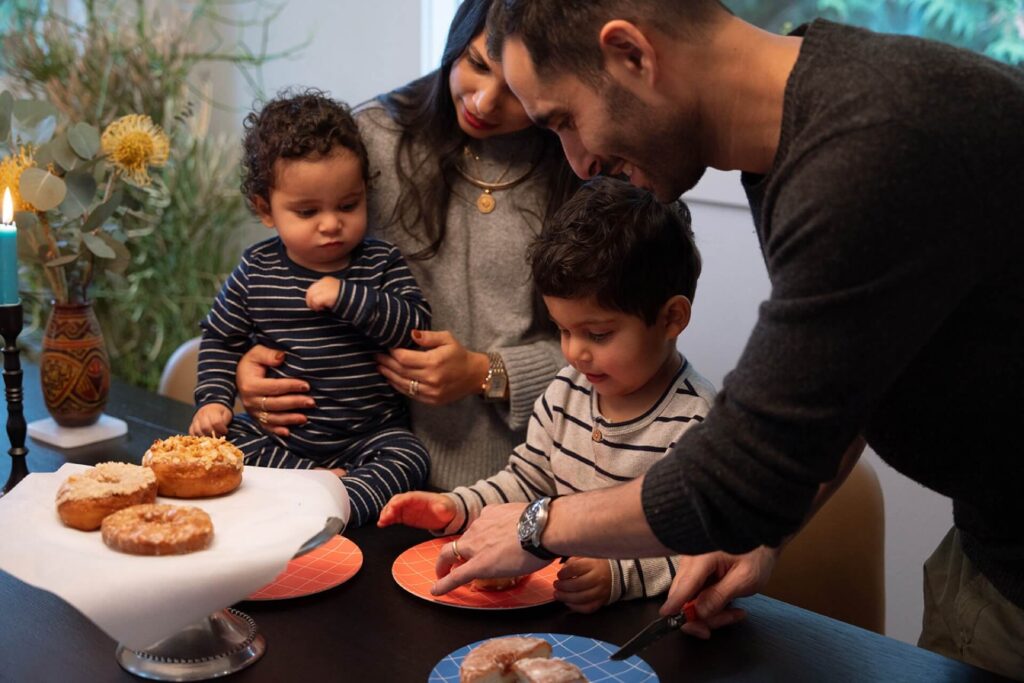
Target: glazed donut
158,529
502,583
194,466
83,500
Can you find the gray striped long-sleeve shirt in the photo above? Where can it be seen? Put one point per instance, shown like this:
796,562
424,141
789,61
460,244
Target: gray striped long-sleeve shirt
570,448
263,302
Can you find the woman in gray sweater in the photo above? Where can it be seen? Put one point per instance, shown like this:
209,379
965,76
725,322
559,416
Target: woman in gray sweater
461,182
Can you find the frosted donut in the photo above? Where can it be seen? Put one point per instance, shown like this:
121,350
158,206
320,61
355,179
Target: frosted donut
194,466
491,662
158,529
83,500
539,670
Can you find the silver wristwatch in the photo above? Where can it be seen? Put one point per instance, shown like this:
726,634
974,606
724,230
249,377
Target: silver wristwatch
531,527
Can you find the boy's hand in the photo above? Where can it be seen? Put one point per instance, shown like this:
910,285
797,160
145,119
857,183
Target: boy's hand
584,584
323,294
211,420
419,509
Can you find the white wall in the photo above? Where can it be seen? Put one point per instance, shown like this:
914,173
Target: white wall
360,49
732,284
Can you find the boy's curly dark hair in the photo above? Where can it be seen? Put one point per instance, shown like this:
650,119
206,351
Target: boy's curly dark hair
303,125
618,243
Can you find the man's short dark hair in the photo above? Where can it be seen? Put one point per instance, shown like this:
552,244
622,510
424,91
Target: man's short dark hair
303,125
562,35
618,243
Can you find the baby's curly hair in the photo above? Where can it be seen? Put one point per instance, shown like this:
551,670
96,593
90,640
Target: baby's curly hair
295,125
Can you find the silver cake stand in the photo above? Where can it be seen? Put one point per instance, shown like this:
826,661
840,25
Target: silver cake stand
223,643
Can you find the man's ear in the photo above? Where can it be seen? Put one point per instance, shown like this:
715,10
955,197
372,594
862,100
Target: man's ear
675,315
263,211
628,54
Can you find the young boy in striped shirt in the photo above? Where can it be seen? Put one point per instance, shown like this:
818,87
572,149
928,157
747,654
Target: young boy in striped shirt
324,295
617,271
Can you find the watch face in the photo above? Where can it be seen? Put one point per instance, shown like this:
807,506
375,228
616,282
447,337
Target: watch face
528,522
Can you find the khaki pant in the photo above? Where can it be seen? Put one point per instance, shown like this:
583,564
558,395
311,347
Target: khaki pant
966,618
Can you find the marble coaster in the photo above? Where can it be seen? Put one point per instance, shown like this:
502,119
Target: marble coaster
104,429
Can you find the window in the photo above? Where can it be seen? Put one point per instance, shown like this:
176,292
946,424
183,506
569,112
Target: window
436,16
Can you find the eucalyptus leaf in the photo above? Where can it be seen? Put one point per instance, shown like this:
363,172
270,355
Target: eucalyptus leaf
63,154
81,192
102,212
33,121
123,257
96,245
84,140
6,107
41,188
25,220
43,156
61,261
26,254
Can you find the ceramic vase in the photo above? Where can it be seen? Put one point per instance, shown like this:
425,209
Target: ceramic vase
74,367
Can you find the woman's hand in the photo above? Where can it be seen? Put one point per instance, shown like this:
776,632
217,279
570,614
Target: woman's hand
271,401
419,509
584,584
443,372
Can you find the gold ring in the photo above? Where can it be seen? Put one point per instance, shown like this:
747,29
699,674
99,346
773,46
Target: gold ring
414,386
455,551
263,417
263,404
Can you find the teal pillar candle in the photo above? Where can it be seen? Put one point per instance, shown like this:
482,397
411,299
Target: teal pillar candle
8,253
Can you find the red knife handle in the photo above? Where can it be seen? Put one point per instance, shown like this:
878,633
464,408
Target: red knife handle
690,610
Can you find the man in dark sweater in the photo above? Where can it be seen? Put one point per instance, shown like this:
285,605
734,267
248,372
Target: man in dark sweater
882,174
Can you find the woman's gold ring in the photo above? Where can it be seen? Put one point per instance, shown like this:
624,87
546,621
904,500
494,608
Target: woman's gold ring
263,404
455,551
263,417
414,386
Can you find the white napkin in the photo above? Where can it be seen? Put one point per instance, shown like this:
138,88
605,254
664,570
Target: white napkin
139,600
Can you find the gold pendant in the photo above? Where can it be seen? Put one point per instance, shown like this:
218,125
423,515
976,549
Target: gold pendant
597,435
485,202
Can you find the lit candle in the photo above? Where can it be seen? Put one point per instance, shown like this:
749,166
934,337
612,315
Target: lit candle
8,253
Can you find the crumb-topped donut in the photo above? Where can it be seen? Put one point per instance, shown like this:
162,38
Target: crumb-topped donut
158,529
502,583
194,466
83,500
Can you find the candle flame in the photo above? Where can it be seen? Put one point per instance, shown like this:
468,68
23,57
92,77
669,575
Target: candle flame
8,216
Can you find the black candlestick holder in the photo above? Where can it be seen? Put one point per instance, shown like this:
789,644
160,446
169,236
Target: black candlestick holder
11,323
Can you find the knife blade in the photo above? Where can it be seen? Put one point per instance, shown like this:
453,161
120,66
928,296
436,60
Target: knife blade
655,630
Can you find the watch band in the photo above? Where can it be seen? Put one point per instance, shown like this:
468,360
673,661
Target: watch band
495,384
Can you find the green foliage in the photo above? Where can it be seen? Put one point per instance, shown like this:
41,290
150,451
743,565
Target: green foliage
172,243
993,27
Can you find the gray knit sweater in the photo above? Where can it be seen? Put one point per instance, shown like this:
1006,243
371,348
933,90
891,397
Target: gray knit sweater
479,288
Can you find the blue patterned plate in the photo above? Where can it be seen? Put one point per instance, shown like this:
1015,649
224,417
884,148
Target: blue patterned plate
590,655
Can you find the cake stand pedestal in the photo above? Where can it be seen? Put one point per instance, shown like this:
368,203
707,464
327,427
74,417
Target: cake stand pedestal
223,643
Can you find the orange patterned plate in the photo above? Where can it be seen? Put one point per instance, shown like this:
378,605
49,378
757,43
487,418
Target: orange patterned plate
329,565
414,571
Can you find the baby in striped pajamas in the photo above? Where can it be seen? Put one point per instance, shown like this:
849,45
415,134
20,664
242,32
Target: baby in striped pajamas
326,297
617,271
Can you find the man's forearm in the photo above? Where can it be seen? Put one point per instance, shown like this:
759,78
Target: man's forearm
603,523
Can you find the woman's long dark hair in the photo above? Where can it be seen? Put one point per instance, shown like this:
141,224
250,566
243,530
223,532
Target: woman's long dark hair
425,111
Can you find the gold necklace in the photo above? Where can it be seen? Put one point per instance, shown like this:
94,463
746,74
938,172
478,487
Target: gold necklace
486,203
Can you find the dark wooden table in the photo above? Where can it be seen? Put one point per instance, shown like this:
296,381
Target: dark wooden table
369,629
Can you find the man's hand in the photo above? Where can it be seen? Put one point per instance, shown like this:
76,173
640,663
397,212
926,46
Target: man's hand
211,420
584,584
715,579
490,549
323,294
418,509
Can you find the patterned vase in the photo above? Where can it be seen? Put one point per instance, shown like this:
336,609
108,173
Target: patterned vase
74,367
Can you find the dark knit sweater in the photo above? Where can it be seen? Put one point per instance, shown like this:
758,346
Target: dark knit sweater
891,228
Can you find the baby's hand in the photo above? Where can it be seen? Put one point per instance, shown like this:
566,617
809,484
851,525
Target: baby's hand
211,420
323,294
584,584
418,509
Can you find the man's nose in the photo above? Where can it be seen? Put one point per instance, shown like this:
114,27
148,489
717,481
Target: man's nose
583,163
